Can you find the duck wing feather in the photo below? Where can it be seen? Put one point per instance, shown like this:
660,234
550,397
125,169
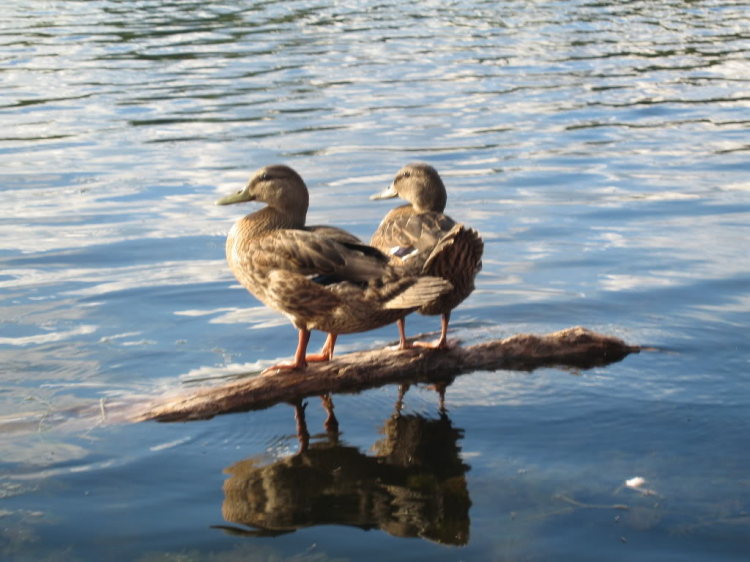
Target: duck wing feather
412,237
318,257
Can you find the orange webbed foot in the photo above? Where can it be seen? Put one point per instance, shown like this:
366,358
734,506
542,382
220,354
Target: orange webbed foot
439,344
318,358
291,366
326,353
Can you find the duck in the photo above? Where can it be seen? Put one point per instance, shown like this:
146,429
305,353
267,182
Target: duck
320,277
423,240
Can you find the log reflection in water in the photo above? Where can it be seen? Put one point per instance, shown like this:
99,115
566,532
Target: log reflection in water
413,486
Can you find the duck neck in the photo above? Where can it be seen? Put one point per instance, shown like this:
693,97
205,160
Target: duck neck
269,219
430,200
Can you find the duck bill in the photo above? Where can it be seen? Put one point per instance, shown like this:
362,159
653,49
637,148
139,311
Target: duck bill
239,197
389,193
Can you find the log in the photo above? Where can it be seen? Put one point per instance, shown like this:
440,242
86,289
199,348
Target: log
354,372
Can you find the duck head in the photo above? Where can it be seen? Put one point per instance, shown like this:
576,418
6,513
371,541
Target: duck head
278,186
420,185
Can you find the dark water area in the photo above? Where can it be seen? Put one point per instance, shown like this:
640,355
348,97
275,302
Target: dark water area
601,149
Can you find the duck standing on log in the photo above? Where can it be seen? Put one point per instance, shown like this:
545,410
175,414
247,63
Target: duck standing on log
320,277
423,240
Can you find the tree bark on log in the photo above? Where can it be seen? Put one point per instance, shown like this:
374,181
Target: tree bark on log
354,372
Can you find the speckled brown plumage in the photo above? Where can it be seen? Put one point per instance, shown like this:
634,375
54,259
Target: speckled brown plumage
320,277
422,239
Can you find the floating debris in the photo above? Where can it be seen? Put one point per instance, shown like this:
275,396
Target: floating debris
637,483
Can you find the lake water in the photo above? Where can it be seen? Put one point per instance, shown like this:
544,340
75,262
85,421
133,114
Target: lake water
602,150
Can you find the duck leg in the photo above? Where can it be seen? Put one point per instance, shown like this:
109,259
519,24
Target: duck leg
402,343
442,343
440,388
303,436
299,357
326,352
331,424
402,390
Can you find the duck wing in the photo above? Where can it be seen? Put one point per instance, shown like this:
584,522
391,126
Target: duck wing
412,237
334,233
347,239
321,259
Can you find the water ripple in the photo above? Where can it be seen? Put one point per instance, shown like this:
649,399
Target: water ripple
600,147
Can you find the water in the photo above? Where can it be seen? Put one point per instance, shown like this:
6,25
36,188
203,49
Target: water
601,149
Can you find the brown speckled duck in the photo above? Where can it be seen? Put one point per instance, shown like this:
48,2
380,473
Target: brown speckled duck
320,277
419,237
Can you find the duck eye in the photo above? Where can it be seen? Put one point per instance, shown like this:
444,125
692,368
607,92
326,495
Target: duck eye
264,177
405,175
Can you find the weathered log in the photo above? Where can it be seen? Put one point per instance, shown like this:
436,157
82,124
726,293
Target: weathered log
354,372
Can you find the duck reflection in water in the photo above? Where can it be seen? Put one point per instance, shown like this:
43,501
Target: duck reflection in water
413,486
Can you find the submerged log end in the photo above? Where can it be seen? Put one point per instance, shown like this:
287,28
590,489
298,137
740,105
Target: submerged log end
579,342
575,347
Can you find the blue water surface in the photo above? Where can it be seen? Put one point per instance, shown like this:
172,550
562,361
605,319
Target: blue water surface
601,149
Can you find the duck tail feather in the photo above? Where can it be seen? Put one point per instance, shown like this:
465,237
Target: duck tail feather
459,250
420,292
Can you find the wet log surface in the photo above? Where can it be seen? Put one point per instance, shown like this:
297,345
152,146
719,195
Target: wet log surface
354,372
